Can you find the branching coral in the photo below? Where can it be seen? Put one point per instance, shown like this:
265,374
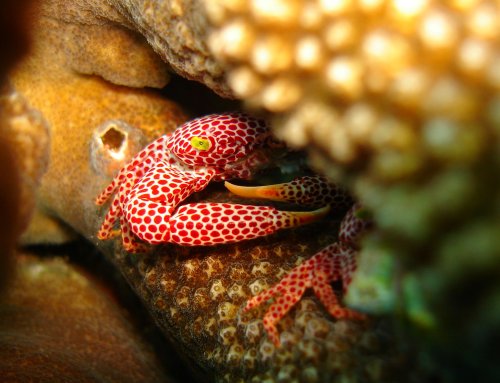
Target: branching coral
400,100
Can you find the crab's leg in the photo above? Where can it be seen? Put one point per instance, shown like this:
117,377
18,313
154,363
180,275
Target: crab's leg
138,165
286,297
107,230
335,262
310,191
354,225
330,264
129,240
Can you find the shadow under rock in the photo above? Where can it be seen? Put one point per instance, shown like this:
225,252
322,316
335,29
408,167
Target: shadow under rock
196,99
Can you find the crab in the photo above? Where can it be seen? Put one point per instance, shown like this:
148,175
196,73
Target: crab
150,189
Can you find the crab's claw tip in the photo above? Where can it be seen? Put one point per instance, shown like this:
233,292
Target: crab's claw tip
298,218
270,192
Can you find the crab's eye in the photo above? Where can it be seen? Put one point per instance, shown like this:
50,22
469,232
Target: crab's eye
200,143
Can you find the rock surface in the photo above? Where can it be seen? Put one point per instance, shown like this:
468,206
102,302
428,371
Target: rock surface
58,325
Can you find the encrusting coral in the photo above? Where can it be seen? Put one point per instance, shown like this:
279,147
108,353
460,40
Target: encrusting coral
118,39
400,101
80,110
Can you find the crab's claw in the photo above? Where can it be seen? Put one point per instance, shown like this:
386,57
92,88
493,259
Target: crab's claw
310,191
218,223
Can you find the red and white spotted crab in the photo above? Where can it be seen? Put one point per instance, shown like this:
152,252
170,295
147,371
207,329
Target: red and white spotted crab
217,147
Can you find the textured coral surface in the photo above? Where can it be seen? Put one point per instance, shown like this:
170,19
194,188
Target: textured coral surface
197,295
115,39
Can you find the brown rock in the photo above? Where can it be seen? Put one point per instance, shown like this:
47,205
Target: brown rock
117,40
58,325
13,43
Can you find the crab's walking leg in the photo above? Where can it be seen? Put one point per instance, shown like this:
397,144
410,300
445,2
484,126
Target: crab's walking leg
310,191
335,262
286,297
107,230
354,225
137,166
329,265
129,240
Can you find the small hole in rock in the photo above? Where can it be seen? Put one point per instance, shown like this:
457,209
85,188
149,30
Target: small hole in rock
113,139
